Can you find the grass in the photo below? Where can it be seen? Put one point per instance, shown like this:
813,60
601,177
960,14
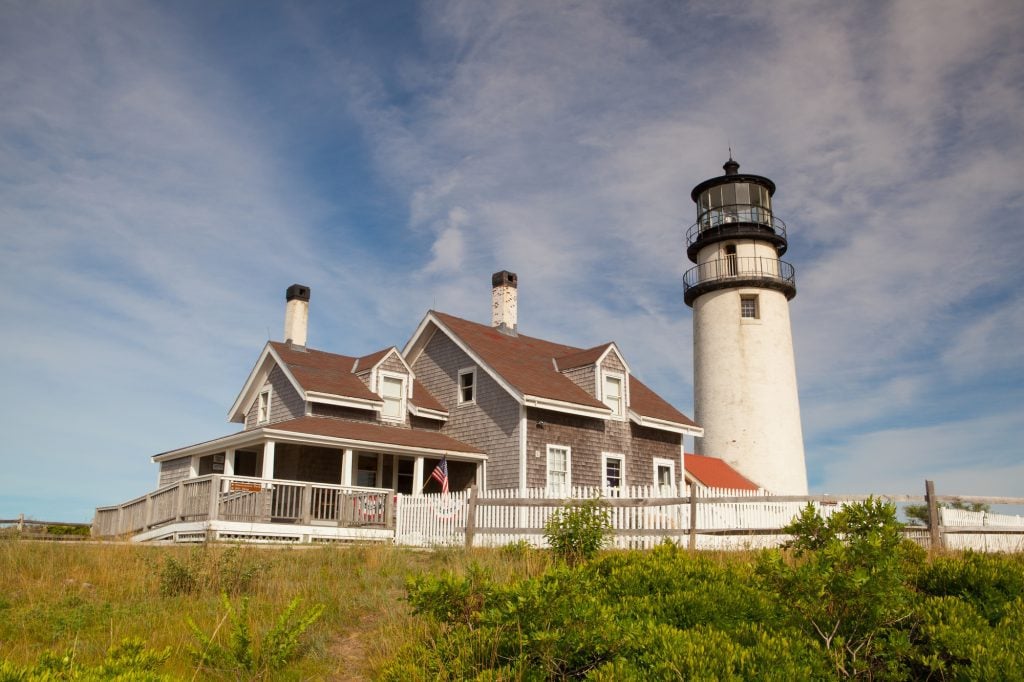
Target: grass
86,597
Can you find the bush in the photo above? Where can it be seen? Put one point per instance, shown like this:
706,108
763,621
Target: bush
576,533
210,569
245,657
128,661
849,585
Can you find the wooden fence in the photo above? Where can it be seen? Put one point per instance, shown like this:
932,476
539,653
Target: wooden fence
644,516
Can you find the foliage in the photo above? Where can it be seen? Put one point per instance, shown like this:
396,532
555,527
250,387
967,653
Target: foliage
129,661
245,656
210,569
848,585
576,533
64,530
917,514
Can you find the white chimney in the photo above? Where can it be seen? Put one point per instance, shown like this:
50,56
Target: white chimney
296,314
504,301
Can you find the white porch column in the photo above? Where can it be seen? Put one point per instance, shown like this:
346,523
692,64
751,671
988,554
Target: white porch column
417,476
268,459
229,462
193,466
346,466
380,470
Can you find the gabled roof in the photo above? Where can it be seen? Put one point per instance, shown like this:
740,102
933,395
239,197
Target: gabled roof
529,368
323,372
712,472
327,377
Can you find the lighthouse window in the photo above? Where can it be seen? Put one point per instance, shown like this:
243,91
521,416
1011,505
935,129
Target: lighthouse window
748,307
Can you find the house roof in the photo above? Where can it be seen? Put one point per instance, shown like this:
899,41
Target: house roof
373,433
323,372
528,364
334,374
716,473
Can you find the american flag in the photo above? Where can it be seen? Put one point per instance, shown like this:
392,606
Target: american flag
440,474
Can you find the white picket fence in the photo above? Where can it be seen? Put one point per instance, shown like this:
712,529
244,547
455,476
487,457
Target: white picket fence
440,520
953,519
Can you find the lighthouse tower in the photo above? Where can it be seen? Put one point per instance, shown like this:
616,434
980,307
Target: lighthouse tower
744,380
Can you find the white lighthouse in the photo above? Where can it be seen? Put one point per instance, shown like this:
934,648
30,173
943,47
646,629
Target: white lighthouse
745,393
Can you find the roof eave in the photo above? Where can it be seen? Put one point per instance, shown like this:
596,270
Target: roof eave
665,425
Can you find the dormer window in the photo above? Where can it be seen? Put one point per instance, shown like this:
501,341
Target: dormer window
467,385
611,393
392,390
263,406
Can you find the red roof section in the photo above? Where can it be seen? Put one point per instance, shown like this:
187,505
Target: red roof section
715,473
323,372
373,433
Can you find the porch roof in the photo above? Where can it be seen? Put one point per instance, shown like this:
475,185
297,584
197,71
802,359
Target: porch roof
339,433
715,473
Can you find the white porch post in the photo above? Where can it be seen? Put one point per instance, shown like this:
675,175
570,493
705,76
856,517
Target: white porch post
417,475
268,459
380,470
229,462
346,466
193,466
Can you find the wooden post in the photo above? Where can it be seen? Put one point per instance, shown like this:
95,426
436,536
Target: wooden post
214,498
307,504
934,532
471,516
692,546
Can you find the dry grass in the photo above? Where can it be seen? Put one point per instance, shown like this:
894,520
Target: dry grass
88,596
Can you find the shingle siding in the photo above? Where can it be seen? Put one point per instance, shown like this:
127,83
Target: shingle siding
589,438
491,423
285,401
174,470
584,377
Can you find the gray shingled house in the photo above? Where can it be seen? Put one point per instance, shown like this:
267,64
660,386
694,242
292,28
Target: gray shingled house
327,439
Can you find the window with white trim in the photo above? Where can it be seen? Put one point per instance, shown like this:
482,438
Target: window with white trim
263,406
559,470
611,393
467,385
392,391
664,475
614,467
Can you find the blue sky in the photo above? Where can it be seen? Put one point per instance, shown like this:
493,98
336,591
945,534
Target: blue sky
167,169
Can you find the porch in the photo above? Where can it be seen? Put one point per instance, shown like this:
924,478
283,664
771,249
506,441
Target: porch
242,508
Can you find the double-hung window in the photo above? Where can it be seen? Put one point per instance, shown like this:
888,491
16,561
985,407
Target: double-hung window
611,393
467,385
614,471
559,470
263,406
392,391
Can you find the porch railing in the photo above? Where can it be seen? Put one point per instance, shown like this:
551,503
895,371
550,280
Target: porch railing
250,500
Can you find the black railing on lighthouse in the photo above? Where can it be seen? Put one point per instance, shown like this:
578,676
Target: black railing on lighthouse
736,271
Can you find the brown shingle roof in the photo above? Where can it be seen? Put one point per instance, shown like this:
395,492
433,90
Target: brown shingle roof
421,397
373,433
647,403
523,361
526,363
323,372
715,473
367,362
582,358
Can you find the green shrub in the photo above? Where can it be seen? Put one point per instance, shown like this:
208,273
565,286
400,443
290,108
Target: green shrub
128,661
848,585
576,533
210,569
246,657
988,582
